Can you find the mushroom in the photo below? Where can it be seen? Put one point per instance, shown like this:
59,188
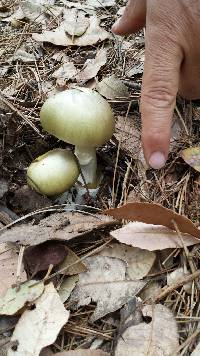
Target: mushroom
83,118
54,172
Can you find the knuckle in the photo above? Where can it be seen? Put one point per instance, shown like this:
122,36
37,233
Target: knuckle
157,98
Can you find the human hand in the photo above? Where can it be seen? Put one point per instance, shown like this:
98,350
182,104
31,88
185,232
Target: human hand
172,64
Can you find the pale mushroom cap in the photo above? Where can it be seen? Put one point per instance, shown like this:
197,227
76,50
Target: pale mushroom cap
53,173
78,116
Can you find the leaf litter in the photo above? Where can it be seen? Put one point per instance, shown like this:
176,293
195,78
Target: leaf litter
33,67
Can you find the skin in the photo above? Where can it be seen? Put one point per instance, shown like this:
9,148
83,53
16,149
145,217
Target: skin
172,65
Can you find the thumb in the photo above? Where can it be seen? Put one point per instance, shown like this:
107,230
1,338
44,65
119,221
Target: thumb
133,18
163,57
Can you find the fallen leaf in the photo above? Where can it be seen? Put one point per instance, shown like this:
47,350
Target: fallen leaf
156,214
67,287
92,66
157,338
196,352
100,4
112,87
65,72
178,274
15,298
22,55
84,7
60,226
104,283
92,35
39,327
47,352
3,187
192,157
151,237
75,264
139,262
75,22
8,268
82,353
39,258
150,291
128,136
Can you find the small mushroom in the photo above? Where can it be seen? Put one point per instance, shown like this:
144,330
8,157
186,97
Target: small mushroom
83,118
53,173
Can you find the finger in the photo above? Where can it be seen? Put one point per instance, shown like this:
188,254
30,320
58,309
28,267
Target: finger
133,18
160,85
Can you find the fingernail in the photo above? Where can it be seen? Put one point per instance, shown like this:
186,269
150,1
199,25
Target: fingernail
157,160
114,27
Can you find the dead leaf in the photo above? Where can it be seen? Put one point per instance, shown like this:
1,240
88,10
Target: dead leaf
3,187
60,226
139,262
82,353
15,298
22,55
156,214
67,287
100,4
192,157
8,268
84,7
75,22
39,327
112,87
128,136
76,266
105,283
92,35
151,237
39,258
150,291
92,66
47,352
157,338
178,274
65,72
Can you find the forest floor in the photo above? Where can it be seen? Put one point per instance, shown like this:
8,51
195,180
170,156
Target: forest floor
80,276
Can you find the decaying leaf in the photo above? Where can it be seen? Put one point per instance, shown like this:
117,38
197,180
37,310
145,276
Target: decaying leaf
178,274
8,268
192,157
150,291
139,262
17,297
67,287
42,323
3,187
82,353
157,338
75,22
92,66
66,71
22,55
59,226
105,283
154,214
76,266
39,258
151,237
101,3
112,87
128,136
92,35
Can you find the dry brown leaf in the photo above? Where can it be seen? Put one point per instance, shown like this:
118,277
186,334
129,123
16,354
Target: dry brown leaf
65,72
105,283
59,226
67,287
128,136
92,66
84,7
76,266
192,157
156,214
8,268
177,275
139,262
82,353
39,327
3,187
93,34
156,338
151,237
112,87
22,55
75,22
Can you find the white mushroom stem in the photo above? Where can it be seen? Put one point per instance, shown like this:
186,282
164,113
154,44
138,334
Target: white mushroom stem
88,164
